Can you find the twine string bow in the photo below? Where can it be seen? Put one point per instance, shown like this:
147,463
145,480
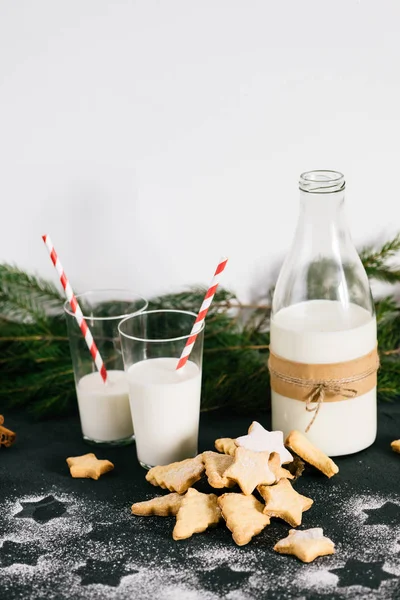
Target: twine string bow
317,396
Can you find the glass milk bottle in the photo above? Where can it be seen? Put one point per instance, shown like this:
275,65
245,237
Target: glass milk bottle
323,352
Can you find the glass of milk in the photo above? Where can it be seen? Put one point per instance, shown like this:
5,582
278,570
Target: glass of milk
323,313
165,403
103,407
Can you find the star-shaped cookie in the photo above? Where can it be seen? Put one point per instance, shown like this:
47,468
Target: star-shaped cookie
306,544
226,446
298,442
88,466
7,437
274,464
262,440
243,515
282,501
395,446
250,469
177,476
197,512
216,464
163,506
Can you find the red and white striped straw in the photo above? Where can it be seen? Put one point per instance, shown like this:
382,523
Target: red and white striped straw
198,324
76,309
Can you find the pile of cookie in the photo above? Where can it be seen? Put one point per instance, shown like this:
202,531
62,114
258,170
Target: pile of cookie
259,463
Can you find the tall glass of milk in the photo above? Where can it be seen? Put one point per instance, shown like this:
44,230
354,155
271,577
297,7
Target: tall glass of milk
103,407
323,359
165,402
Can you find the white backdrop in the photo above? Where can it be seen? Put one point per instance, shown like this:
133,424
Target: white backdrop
150,137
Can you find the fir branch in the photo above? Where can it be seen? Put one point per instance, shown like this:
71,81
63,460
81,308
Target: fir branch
12,276
35,362
389,378
377,262
27,298
388,325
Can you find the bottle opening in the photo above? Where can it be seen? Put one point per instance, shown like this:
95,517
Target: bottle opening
322,182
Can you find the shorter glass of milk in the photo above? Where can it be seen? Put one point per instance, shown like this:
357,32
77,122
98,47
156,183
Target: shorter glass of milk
103,407
165,403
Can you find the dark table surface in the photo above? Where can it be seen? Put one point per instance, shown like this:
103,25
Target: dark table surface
75,538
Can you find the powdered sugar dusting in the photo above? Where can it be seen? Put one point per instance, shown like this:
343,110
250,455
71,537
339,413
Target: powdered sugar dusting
315,577
189,569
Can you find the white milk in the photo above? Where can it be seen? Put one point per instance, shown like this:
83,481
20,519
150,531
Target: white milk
320,331
104,408
165,407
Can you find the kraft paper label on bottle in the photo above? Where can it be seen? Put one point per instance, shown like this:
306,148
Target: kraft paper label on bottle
337,381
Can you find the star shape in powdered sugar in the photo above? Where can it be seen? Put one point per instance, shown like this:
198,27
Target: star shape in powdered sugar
12,553
223,577
387,514
106,572
43,510
356,572
259,439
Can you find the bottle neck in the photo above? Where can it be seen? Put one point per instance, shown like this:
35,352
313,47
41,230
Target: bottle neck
322,211
322,220
322,263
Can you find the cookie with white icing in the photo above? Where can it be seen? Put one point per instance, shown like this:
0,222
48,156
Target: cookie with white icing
259,439
307,545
